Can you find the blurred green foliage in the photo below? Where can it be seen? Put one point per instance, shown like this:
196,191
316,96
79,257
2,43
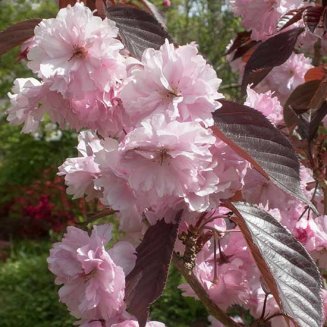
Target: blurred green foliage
28,296
176,310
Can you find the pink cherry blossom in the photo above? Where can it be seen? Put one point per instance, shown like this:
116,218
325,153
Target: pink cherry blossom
235,270
25,104
285,78
116,192
261,16
170,159
93,284
266,103
81,172
77,52
231,170
258,190
177,82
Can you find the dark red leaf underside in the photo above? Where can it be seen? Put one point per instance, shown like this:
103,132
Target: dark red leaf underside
241,39
254,138
17,34
286,267
138,29
299,102
312,16
269,54
153,9
147,280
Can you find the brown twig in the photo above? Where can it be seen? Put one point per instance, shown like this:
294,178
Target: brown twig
192,280
317,53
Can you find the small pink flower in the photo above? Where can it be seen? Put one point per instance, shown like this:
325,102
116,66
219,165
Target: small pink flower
26,105
261,16
77,53
93,284
165,161
176,82
81,172
266,103
285,78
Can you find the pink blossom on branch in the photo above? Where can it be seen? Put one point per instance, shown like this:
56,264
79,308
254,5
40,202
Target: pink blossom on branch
170,159
81,172
77,52
25,104
261,16
176,82
93,284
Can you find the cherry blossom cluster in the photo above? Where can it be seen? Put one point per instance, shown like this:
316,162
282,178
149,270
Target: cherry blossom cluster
146,150
93,278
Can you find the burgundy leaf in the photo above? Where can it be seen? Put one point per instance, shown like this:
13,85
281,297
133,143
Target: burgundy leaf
17,34
241,51
146,281
269,54
315,73
138,29
287,269
319,96
311,17
290,18
155,12
317,118
299,102
241,39
254,138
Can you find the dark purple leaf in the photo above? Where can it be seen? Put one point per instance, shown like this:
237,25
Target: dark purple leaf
251,135
146,281
17,34
138,29
241,39
311,17
241,51
317,118
155,12
319,96
269,54
286,267
290,18
299,102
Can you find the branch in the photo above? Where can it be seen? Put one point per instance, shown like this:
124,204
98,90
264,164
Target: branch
192,280
317,53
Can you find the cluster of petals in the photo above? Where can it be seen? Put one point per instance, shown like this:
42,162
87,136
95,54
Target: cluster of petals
93,278
269,12
166,155
231,277
266,103
77,52
176,82
77,57
81,172
283,79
